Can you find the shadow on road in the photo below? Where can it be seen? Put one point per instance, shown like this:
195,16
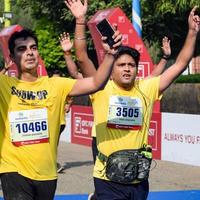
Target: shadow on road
68,165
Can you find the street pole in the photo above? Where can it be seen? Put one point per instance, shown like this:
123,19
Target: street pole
136,17
7,9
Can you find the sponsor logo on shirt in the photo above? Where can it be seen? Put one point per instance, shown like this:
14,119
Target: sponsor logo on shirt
29,95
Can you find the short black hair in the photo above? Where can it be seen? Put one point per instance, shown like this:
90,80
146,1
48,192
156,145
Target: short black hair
57,71
24,33
130,51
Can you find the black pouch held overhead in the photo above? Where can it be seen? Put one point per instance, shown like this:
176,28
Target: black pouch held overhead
127,166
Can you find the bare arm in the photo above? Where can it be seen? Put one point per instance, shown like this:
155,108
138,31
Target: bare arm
5,69
185,54
71,66
66,46
163,61
79,11
99,79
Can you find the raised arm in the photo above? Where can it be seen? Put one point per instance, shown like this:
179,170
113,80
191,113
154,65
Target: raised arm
99,79
158,69
79,11
3,70
185,54
66,46
6,67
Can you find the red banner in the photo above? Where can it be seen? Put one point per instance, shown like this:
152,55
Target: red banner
82,121
154,138
130,37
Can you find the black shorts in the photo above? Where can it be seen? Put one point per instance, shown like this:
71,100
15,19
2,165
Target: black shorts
18,187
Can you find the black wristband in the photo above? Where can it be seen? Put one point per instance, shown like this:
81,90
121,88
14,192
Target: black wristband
165,57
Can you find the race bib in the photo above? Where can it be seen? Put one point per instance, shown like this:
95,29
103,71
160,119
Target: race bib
29,126
125,113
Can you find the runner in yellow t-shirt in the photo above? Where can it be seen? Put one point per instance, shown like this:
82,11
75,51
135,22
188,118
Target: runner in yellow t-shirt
122,112
30,110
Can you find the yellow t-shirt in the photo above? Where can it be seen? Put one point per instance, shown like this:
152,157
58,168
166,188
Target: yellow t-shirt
93,134
93,131
31,110
62,117
112,102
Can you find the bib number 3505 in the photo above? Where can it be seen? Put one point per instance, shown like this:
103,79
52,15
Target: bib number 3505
127,112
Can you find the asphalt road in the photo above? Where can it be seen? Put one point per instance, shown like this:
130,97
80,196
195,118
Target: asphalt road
76,178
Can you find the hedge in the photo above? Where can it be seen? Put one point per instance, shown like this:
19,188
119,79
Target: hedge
192,78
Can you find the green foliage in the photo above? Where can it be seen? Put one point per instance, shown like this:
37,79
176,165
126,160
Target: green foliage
183,4
22,17
159,18
49,48
154,50
192,78
167,17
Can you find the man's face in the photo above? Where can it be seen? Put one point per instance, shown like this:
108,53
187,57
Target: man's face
124,71
26,54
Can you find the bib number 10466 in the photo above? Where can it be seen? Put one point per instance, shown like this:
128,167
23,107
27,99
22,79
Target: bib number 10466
31,127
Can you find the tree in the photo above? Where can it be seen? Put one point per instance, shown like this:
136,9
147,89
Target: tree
49,49
166,17
159,18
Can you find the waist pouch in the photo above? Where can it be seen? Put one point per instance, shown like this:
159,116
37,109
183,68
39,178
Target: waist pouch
127,166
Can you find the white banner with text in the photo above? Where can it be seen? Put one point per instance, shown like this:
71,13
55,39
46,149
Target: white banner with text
181,138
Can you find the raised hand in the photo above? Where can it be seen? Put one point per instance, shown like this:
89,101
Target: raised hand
118,41
194,20
9,64
166,48
77,8
65,42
